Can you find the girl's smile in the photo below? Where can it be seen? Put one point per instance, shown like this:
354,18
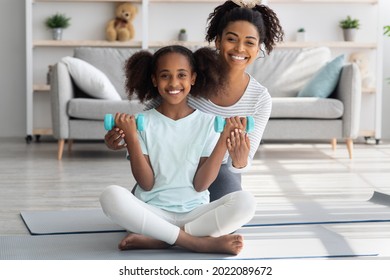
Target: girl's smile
174,92
173,77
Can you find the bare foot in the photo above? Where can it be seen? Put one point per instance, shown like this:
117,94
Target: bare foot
226,244
137,241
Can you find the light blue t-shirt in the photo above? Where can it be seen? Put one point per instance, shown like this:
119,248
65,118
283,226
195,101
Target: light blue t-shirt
174,149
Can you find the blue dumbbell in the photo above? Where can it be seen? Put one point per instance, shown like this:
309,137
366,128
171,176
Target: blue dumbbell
219,124
109,122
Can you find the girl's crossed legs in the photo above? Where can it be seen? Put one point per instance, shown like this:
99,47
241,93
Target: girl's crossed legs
205,229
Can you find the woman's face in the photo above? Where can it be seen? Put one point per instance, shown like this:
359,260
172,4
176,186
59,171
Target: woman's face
239,44
173,77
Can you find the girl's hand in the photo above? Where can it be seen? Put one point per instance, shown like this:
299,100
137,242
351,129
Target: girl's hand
127,124
114,139
231,124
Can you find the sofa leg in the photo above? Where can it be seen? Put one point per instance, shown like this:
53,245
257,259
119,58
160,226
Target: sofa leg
333,142
61,144
70,145
349,143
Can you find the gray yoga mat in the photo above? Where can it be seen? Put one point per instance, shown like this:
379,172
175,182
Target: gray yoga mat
68,221
292,242
376,209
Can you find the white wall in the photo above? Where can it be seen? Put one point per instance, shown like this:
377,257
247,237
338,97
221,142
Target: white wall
385,6
12,69
12,49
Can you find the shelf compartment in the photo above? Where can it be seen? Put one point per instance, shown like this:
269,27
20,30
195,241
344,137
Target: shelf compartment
86,43
330,44
42,131
138,44
323,1
41,87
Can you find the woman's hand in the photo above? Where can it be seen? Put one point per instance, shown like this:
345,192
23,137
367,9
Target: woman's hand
231,124
114,139
238,143
239,146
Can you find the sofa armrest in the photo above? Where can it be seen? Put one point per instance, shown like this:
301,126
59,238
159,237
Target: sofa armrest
349,91
62,91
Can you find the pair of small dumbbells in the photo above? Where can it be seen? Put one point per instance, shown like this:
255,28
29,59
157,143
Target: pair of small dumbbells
219,123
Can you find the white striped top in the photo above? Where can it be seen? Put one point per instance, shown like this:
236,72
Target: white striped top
255,102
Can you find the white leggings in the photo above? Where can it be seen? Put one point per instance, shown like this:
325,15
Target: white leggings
217,218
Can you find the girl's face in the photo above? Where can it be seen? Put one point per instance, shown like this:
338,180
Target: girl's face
173,77
239,44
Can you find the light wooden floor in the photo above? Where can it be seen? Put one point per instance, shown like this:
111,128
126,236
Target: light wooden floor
31,178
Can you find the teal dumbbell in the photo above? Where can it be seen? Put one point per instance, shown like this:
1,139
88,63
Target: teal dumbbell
109,122
219,124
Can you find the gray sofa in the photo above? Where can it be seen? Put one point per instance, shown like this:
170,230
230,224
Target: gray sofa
285,72
76,115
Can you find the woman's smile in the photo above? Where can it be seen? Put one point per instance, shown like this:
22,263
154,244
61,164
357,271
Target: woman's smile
174,91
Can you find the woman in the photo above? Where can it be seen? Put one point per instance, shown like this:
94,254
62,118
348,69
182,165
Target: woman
238,29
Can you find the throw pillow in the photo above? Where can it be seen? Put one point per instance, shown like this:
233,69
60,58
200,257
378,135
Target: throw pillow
325,80
90,79
286,71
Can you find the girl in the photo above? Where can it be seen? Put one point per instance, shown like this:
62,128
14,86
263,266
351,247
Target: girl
175,159
238,28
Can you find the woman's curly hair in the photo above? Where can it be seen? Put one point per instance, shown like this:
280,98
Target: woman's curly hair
261,16
205,61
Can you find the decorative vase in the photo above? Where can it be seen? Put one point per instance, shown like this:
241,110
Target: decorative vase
183,36
301,36
349,34
57,33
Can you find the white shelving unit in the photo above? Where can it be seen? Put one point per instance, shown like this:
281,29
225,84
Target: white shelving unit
370,125
35,85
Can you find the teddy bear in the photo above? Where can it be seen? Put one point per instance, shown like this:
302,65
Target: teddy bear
362,61
121,28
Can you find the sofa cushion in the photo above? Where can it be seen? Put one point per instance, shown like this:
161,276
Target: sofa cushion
325,80
110,61
90,79
95,109
306,108
285,72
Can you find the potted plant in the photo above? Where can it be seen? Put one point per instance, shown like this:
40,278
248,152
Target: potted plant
386,30
183,35
349,26
57,23
301,35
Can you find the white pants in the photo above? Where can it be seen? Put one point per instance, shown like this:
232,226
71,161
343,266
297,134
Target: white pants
217,218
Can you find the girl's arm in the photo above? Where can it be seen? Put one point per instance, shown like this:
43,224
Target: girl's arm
139,163
209,167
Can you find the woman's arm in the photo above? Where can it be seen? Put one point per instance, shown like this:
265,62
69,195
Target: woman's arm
237,156
140,164
238,145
